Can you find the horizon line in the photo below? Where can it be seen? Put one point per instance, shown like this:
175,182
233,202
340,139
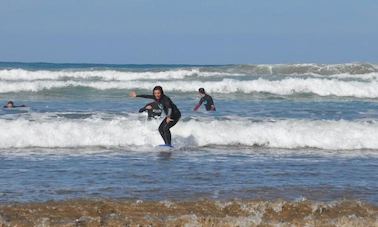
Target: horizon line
177,64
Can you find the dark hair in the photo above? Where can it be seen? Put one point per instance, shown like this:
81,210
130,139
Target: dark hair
10,102
201,90
158,88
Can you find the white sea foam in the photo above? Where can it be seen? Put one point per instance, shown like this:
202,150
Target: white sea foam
106,75
182,73
364,77
127,131
289,86
305,69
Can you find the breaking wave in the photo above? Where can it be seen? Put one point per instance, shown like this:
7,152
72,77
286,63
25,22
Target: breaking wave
127,131
21,74
343,80
289,86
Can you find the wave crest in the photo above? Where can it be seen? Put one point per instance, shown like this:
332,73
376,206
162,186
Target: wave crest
126,131
289,86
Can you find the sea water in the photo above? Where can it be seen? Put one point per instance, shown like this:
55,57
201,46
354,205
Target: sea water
280,132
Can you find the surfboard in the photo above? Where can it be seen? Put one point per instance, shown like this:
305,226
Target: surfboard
165,146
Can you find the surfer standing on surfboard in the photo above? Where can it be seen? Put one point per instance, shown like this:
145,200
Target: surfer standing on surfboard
171,111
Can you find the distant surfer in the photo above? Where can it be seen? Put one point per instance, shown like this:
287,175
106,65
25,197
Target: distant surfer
206,99
171,111
154,110
10,105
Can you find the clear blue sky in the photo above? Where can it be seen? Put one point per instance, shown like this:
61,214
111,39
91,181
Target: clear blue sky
191,32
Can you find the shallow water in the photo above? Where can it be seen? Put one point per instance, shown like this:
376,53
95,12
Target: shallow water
283,131
249,173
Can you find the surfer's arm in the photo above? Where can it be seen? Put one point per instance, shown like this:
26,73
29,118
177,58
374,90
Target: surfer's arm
134,94
146,107
212,105
168,118
169,112
168,107
198,105
145,96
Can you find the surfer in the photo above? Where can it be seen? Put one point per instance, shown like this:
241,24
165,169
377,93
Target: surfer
153,109
206,99
171,111
10,105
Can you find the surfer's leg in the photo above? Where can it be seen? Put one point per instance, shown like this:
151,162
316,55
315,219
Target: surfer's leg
165,132
168,135
168,132
162,131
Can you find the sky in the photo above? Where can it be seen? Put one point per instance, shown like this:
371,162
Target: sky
189,32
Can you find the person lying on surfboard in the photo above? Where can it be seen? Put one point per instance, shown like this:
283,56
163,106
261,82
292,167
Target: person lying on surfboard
154,110
10,105
206,99
171,111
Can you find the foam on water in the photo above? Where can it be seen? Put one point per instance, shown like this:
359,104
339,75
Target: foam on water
321,87
304,69
125,131
344,80
106,75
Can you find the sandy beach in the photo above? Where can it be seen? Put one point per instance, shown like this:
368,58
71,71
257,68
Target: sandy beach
192,213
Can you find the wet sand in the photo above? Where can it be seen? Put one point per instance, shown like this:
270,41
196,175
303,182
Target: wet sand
192,213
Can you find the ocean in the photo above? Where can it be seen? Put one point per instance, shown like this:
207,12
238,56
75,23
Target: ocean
290,132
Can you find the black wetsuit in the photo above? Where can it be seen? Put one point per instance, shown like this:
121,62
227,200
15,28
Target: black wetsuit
155,112
171,110
207,100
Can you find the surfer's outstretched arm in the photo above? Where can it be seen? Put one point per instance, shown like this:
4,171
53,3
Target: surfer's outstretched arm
145,96
134,94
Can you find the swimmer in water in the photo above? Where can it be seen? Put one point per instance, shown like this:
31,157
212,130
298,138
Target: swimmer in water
10,105
206,99
171,111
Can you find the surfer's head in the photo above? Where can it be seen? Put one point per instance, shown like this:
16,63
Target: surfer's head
10,104
158,92
202,91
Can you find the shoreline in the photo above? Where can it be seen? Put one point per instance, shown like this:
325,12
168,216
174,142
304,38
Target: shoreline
107,212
